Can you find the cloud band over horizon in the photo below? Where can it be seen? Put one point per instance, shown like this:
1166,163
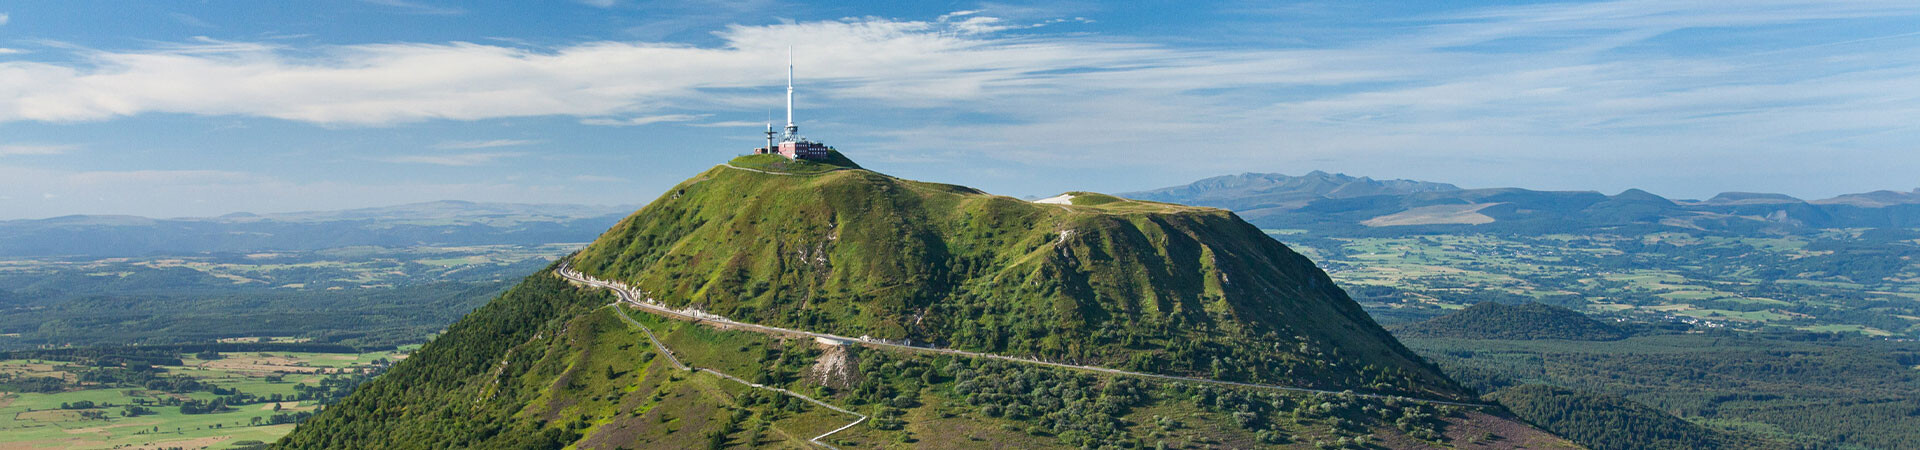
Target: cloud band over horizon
1540,89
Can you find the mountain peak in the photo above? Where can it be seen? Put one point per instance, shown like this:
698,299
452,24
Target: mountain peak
856,252
1875,199
1640,196
758,251
1751,198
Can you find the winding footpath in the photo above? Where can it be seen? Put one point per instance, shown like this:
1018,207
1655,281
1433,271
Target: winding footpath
635,298
683,366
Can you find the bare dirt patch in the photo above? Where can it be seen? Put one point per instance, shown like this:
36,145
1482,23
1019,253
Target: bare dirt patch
836,368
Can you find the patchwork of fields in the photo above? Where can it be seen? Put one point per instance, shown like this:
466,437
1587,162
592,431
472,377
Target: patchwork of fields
335,269
1785,282
102,414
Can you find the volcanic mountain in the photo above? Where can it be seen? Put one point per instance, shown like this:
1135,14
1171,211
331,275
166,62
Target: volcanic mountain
1084,280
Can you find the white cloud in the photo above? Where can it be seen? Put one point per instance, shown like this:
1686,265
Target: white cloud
494,143
17,149
456,160
980,25
959,57
3,18
904,62
598,3
643,120
10,51
1418,90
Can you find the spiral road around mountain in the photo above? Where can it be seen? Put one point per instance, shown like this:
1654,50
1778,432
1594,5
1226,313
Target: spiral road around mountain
634,298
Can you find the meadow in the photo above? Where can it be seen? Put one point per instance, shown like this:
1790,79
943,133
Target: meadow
94,409
362,297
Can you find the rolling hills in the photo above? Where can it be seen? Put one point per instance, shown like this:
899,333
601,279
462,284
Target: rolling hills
1337,203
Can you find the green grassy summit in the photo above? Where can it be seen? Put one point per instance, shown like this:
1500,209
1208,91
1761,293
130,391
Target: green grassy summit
1145,286
777,163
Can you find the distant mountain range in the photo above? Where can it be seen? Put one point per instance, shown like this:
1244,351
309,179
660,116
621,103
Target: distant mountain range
430,223
1341,203
1259,191
1318,201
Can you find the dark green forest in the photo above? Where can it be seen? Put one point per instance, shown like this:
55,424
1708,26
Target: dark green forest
1605,422
158,306
1805,389
1527,321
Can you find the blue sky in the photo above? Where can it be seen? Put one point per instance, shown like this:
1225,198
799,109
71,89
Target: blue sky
202,108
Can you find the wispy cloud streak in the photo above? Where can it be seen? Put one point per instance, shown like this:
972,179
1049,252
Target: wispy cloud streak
1585,83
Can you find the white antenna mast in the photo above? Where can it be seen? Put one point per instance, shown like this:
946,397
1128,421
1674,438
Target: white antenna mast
790,127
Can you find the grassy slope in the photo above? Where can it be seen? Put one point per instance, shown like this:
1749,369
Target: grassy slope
926,401
542,367
546,365
1140,285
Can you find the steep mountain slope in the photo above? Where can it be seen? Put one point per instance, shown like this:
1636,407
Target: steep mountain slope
544,367
1139,285
827,247
1502,321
